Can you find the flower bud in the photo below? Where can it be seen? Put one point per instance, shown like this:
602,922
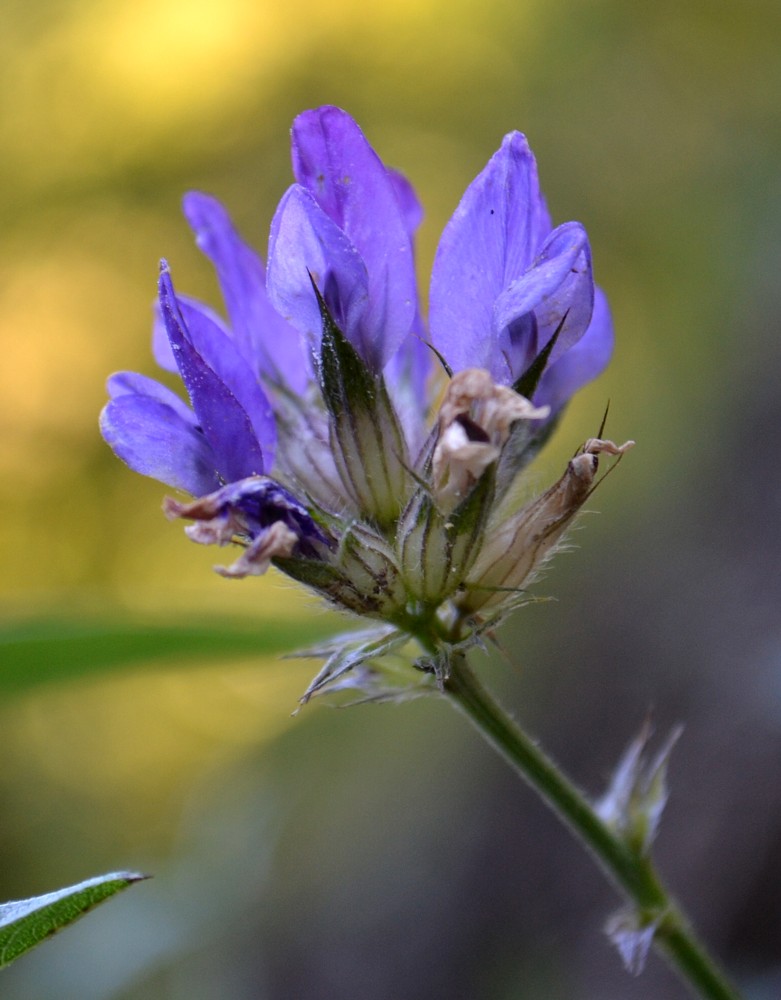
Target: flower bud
518,546
437,549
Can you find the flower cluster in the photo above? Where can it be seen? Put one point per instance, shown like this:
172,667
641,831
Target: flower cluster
333,433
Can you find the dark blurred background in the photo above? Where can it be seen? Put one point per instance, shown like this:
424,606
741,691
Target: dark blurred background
383,852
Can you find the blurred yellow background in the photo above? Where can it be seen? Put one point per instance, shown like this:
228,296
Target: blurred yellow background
659,128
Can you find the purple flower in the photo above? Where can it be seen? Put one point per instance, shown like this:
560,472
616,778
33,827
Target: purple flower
315,434
504,281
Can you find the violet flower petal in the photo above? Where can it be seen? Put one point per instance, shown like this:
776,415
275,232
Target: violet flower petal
335,163
216,348
407,372
304,241
409,203
224,420
131,383
491,239
412,364
582,362
558,284
263,337
161,345
154,439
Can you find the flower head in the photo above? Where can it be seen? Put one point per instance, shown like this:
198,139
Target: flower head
313,438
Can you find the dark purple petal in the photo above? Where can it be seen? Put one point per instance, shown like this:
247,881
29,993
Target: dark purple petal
335,163
222,416
558,283
304,242
261,334
582,362
249,507
491,240
219,352
154,439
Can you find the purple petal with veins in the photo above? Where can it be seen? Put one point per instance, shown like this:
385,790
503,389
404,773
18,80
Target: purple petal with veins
261,334
304,241
335,163
225,422
490,241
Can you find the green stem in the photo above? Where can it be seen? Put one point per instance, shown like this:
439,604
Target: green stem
628,870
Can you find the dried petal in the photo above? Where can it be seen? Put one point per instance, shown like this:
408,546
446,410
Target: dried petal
253,512
474,424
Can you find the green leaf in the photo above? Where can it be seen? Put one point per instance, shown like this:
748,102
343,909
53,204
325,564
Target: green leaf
27,922
47,649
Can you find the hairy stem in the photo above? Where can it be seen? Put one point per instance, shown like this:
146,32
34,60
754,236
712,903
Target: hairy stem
629,871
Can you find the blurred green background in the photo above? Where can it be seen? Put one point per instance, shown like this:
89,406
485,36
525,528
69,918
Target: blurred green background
383,852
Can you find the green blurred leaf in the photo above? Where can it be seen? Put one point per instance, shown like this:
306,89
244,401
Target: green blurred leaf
46,650
27,922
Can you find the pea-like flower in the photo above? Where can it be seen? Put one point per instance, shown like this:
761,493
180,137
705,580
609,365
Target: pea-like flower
329,433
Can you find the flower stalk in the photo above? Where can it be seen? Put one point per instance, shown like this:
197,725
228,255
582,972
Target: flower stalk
629,871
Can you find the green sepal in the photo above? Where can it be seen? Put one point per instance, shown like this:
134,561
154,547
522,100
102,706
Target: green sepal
469,517
521,448
367,443
437,549
361,575
526,384
327,579
445,366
